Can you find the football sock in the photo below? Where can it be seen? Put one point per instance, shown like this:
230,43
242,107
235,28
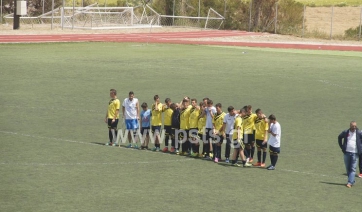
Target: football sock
246,153
259,156
275,160
166,140
173,142
264,157
252,151
110,135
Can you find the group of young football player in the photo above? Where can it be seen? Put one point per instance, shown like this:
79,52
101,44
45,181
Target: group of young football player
190,125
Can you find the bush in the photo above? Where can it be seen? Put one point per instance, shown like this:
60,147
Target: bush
290,17
352,33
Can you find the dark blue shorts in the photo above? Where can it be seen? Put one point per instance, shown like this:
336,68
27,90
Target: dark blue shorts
238,145
259,144
145,130
156,128
249,138
193,132
208,132
218,139
112,125
168,130
275,150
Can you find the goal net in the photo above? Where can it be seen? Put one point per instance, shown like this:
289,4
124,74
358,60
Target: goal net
108,17
141,16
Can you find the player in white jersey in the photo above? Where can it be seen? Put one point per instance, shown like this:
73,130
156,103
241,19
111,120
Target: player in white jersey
274,141
131,110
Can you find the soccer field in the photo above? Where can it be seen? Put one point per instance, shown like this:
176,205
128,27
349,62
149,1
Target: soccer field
54,96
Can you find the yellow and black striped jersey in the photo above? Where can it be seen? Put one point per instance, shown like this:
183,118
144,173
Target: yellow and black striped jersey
238,124
201,124
249,123
260,127
184,118
194,117
167,116
113,105
218,121
156,119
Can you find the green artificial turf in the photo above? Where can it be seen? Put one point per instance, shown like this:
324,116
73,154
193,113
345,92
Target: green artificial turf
54,96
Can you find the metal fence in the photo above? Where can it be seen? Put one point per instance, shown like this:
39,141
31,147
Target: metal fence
322,22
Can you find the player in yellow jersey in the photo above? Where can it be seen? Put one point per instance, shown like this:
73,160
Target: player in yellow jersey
185,125
201,123
237,141
167,111
249,134
156,121
218,121
261,136
193,121
112,117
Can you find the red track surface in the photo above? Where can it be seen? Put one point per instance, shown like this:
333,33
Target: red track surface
170,37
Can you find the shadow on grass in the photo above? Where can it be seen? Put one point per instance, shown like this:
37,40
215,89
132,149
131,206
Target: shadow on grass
337,184
98,143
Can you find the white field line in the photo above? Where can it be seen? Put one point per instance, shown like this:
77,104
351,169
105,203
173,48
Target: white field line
52,108
92,164
73,141
127,163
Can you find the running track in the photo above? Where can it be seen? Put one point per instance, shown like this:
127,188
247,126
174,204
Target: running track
174,38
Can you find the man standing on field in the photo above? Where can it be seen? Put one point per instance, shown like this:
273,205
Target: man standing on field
261,136
274,141
112,117
351,145
130,110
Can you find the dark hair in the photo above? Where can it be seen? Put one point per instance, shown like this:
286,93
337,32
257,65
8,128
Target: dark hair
113,91
193,100
130,93
248,108
206,98
218,105
272,117
243,109
209,101
258,110
185,100
230,108
202,104
144,105
156,97
173,106
167,100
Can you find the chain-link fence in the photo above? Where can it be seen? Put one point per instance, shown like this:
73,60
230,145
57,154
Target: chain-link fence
273,16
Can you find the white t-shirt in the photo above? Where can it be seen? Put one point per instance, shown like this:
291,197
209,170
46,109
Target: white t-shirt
130,108
229,123
351,142
274,141
208,117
